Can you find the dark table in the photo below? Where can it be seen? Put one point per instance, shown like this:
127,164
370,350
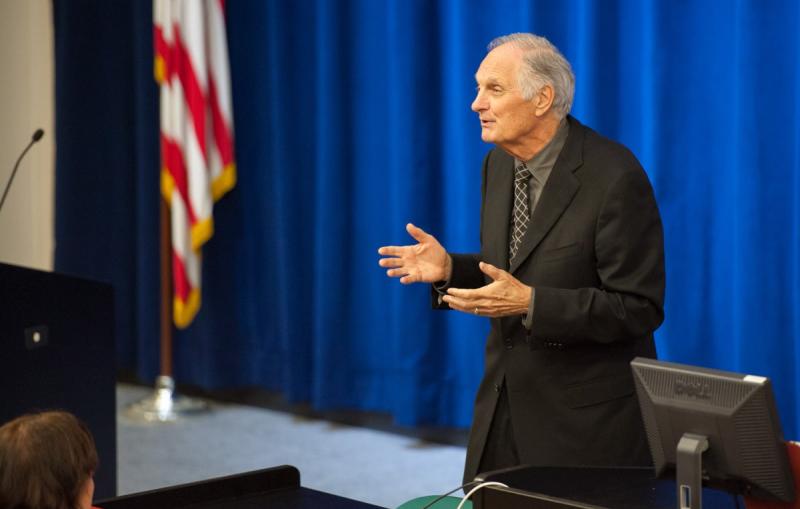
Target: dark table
274,488
585,488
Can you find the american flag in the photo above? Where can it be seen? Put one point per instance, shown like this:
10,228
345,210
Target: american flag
197,165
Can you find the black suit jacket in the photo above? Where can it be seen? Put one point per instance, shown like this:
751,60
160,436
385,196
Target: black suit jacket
594,254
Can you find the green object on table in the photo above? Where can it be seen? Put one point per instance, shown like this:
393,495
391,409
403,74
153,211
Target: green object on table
445,503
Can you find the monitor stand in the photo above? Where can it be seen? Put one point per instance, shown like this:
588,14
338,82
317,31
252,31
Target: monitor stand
689,470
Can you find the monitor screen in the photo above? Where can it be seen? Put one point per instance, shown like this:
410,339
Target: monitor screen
730,421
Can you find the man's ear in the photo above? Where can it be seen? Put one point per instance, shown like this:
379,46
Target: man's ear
86,494
544,100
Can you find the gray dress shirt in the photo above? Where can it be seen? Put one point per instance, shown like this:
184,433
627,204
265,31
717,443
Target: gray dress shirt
540,166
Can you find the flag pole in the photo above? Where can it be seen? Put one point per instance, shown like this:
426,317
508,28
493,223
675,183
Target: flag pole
204,25
164,405
166,290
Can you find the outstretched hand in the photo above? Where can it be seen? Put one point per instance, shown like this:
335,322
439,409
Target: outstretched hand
504,296
424,262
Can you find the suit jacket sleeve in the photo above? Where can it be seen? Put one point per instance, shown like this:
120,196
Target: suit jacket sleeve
628,303
466,274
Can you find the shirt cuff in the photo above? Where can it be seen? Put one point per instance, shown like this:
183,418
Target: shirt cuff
527,318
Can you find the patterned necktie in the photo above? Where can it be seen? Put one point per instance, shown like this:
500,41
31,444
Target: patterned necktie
522,210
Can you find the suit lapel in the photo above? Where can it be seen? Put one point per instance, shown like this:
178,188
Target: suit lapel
556,195
499,190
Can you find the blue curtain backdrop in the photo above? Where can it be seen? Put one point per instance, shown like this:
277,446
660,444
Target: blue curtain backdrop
352,118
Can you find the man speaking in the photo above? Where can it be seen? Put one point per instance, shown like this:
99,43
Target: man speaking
570,273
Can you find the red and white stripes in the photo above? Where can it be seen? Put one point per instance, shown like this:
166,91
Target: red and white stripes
191,67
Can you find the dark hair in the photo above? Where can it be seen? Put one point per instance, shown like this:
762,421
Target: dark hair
45,459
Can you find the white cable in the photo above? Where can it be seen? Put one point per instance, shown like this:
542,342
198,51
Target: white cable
476,488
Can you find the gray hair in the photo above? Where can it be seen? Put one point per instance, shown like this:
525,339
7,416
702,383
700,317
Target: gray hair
542,65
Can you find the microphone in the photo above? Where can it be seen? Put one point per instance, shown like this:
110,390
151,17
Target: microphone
36,137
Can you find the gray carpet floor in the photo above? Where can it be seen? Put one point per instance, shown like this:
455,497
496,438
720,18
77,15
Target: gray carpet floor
372,466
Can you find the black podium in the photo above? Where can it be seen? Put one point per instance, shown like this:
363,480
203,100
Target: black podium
276,488
585,488
57,352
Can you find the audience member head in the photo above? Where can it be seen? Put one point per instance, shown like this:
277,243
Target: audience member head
46,462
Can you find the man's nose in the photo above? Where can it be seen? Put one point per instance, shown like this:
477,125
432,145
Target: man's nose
479,104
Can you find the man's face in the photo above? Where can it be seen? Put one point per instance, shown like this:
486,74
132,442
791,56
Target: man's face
507,119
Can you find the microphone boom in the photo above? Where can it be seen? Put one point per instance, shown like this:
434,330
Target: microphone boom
36,137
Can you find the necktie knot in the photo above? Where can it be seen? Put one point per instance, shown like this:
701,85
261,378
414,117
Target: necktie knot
521,174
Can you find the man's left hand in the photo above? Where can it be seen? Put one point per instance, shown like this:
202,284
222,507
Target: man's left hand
504,296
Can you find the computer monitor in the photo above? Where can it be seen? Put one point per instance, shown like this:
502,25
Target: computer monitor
713,427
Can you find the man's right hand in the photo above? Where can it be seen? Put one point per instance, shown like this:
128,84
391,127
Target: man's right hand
425,262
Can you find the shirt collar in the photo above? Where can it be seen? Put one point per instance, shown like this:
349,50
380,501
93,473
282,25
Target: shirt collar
546,158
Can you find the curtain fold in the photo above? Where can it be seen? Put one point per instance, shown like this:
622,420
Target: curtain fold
352,118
